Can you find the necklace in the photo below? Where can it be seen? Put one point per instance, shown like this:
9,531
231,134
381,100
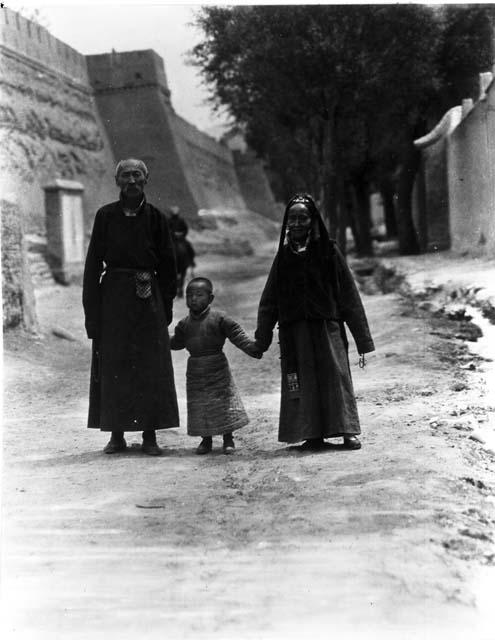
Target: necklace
297,247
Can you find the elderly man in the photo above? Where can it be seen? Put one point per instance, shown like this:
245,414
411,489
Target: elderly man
129,285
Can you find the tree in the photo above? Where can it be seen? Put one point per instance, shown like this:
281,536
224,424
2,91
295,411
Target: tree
334,96
264,66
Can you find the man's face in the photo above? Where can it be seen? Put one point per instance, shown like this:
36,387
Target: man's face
131,180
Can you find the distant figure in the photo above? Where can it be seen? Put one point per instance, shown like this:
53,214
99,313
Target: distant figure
183,248
213,404
130,282
311,293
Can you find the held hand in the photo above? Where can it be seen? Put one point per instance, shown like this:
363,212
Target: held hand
253,351
362,361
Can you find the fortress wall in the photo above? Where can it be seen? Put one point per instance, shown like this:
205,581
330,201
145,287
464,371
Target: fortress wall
64,115
32,40
254,185
208,166
49,127
187,167
135,114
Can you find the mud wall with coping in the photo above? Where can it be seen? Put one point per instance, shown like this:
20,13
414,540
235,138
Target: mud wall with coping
471,179
431,200
49,125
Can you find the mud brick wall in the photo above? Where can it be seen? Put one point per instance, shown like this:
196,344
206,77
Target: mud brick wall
471,179
17,289
49,125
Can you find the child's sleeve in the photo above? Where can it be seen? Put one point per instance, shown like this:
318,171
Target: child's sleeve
236,334
178,340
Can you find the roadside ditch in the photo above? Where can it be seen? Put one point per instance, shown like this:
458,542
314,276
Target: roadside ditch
464,321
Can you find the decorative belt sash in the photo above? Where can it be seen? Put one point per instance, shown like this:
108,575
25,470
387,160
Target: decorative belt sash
142,279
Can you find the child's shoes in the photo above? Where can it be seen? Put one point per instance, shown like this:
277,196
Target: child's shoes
228,444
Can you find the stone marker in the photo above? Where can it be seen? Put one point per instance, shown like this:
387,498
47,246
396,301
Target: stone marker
65,230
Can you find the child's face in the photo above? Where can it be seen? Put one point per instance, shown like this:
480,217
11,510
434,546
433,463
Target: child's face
198,297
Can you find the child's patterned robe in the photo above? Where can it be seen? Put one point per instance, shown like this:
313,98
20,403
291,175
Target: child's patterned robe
214,406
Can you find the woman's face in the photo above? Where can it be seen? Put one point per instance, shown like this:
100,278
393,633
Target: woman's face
298,222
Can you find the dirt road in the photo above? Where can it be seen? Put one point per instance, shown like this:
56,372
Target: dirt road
393,541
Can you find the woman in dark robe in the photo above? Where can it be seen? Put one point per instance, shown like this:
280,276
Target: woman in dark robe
311,293
129,285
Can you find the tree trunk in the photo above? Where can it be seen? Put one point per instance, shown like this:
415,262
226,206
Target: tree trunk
330,195
343,218
387,192
408,239
350,214
362,217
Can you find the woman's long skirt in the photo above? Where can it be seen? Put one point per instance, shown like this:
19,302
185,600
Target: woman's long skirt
214,406
132,380
324,405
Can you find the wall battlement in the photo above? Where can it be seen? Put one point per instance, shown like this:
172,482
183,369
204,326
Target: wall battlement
33,41
119,71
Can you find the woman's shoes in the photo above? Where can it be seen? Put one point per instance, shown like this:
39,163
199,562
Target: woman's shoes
351,442
317,444
204,446
312,444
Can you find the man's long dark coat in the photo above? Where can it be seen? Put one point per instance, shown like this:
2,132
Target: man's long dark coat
132,383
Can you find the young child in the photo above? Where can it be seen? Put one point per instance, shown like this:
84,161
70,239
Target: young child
213,404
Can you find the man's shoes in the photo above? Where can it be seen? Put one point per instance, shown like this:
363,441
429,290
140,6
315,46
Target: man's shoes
351,442
150,446
204,446
115,445
228,444
151,449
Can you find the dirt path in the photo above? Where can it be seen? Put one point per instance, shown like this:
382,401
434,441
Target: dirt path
393,541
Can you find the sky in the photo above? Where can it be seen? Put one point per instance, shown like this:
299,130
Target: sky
97,27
